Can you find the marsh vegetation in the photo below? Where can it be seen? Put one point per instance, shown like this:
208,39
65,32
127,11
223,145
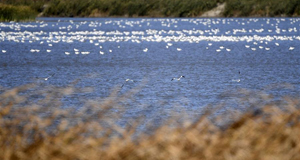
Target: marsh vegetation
35,125
20,10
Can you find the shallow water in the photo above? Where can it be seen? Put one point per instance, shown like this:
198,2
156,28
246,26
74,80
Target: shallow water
104,52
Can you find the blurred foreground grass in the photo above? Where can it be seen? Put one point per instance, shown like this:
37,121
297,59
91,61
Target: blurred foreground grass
35,125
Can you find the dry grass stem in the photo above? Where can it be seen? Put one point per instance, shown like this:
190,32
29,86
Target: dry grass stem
35,124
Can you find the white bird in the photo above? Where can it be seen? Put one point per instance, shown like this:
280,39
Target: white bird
236,80
48,50
49,76
291,48
277,44
85,52
127,80
145,50
67,53
178,49
178,79
228,50
3,51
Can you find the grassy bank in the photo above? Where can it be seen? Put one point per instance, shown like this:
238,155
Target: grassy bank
129,8
126,8
16,13
34,125
258,8
151,8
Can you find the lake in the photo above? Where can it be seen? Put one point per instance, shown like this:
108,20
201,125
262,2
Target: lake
214,55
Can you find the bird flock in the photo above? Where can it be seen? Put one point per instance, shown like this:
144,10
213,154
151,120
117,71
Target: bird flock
264,34
259,34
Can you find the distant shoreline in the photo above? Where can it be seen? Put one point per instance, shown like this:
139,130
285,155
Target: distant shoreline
21,11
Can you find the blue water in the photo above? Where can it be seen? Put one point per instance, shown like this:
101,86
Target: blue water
210,53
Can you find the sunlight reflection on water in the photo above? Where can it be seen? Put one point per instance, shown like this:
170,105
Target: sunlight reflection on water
104,52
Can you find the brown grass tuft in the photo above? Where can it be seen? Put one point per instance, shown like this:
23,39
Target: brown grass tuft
34,124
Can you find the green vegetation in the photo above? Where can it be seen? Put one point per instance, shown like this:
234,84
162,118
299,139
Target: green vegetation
20,9
129,8
16,13
33,125
261,8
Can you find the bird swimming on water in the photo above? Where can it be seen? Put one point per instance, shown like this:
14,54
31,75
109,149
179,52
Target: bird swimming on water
237,80
178,79
127,80
49,77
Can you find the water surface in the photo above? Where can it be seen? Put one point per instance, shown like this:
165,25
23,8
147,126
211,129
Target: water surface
215,56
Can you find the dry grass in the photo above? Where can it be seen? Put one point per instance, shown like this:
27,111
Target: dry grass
34,125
